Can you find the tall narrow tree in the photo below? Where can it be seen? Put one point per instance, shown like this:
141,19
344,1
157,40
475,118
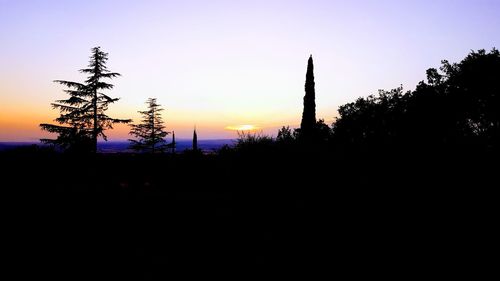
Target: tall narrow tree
195,140
309,114
83,117
150,133
173,144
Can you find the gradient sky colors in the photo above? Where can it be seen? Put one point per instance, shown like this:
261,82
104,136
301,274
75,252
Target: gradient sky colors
221,64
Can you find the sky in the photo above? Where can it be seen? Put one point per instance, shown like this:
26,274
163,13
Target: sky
219,65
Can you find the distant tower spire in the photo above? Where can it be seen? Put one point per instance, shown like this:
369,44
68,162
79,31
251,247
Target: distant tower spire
195,139
173,141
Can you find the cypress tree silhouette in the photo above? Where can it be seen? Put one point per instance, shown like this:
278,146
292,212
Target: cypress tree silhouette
195,140
150,132
309,114
83,117
172,144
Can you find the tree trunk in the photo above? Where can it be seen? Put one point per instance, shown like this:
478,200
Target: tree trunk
153,129
95,133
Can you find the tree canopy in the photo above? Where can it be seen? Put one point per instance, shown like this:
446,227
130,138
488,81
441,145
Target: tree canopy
458,105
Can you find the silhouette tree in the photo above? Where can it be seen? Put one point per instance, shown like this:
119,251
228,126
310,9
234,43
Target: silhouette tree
83,117
473,85
195,140
309,113
371,120
150,133
322,132
457,107
285,135
172,144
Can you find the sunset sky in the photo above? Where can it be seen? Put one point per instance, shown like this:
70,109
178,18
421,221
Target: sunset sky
223,64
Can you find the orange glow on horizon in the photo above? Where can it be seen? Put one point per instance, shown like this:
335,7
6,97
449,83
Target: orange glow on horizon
20,119
242,128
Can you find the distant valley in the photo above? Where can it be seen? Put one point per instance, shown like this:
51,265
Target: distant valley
123,146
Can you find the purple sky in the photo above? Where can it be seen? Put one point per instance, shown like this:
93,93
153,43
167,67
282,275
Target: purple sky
228,63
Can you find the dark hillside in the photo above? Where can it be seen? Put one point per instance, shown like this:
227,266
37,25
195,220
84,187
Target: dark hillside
139,214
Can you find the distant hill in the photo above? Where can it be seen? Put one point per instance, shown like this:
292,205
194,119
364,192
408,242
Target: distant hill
122,146
11,145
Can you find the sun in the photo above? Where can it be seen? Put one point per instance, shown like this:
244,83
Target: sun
242,128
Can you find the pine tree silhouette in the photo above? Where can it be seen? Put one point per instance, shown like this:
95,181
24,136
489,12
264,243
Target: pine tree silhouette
309,114
150,133
83,117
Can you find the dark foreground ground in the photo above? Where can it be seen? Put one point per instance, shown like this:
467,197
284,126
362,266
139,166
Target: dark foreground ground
142,217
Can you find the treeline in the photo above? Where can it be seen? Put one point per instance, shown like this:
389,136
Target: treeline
310,196
457,107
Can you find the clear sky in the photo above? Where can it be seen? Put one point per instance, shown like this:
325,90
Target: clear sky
218,64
